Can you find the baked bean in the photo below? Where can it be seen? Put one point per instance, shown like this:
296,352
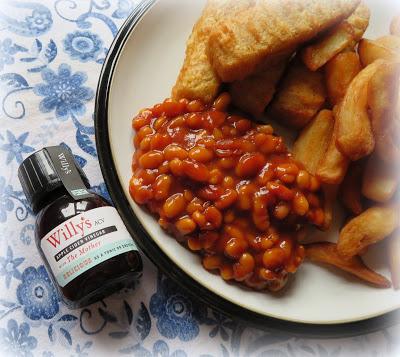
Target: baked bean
233,231
281,191
159,123
177,122
217,134
314,184
211,262
226,187
201,154
281,210
185,225
250,164
222,102
313,200
228,198
176,167
159,141
266,129
151,159
227,163
169,109
287,178
174,205
235,248
196,170
194,244
274,258
141,120
244,267
216,177
162,187
300,204
216,118
199,218
243,125
195,106
287,169
145,144
173,151
188,195
208,239
213,216
164,168
228,182
194,205
226,272
229,216
303,180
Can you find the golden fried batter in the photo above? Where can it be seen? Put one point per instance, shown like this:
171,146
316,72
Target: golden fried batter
239,44
197,79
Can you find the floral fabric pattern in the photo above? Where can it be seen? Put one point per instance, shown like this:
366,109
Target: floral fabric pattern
63,92
37,294
51,53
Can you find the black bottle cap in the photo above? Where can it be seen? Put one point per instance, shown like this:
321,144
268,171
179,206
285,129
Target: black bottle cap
39,177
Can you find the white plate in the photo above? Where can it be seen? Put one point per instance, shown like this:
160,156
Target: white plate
140,71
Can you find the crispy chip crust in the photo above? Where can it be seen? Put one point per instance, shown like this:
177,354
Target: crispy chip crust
327,253
370,227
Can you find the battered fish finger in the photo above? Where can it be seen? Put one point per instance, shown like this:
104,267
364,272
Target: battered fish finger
239,44
197,79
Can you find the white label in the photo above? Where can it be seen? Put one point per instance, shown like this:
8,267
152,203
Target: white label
84,241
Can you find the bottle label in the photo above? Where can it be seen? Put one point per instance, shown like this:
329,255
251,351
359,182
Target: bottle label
84,241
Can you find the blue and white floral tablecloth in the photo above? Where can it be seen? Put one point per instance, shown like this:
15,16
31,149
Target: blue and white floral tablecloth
51,54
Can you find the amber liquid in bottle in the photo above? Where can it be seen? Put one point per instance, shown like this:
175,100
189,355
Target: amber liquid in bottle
88,252
101,280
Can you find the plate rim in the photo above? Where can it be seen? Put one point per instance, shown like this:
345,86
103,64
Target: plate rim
158,257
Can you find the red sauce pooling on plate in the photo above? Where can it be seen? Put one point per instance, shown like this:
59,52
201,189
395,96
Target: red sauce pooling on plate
226,188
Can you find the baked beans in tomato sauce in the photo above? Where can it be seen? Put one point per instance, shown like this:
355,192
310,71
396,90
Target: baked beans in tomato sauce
225,187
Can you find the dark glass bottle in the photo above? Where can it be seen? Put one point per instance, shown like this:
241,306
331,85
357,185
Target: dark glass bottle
79,234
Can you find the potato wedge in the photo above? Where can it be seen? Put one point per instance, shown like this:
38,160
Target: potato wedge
339,72
354,136
301,95
330,193
371,226
380,180
350,189
346,34
333,166
383,100
393,250
395,26
311,144
327,253
370,51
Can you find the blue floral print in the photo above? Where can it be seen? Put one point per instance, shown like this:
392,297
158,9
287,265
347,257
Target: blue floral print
7,51
9,267
63,92
16,147
177,315
6,204
83,45
124,9
39,21
37,294
15,340
160,348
